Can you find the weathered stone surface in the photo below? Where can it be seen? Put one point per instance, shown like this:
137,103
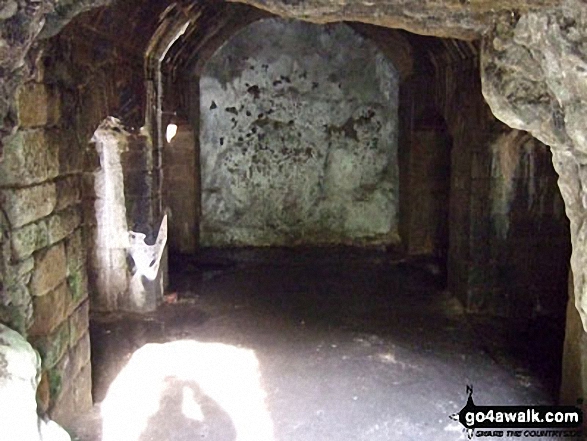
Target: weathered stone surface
25,205
534,76
75,253
60,225
79,322
449,18
50,310
294,149
28,239
37,105
80,353
68,192
50,270
77,281
82,392
19,272
53,346
19,369
74,398
30,157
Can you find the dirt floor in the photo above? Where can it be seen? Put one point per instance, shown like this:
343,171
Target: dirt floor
308,345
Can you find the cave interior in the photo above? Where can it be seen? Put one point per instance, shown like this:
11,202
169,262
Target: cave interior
342,217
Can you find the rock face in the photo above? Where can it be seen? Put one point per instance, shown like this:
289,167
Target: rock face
19,377
295,149
466,19
534,73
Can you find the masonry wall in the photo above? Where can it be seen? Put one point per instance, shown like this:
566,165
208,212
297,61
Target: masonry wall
508,238
181,189
45,278
45,221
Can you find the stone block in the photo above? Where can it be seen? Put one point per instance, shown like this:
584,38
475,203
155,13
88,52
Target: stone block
79,323
31,156
68,192
37,105
19,272
77,281
80,354
59,377
50,270
63,408
63,223
50,310
71,154
53,346
28,239
87,186
43,394
26,205
75,252
17,294
83,389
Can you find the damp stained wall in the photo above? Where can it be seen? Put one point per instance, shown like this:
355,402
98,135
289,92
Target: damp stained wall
298,138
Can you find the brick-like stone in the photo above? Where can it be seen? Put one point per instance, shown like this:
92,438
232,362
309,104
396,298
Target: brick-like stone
26,205
75,396
83,389
79,322
37,105
63,409
53,346
68,192
63,223
75,252
28,239
17,294
19,272
71,155
80,354
30,157
77,281
49,311
50,270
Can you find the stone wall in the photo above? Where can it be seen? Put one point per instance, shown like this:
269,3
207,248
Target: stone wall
297,138
508,235
45,283
519,230
181,189
45,216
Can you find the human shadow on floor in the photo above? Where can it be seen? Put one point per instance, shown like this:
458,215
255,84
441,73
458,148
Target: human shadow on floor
187,414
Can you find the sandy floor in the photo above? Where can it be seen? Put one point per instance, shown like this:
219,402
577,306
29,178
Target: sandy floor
308,346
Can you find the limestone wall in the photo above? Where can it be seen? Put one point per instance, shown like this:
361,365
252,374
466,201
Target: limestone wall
298,138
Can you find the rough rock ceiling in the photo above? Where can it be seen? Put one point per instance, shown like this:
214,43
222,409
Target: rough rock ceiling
466,19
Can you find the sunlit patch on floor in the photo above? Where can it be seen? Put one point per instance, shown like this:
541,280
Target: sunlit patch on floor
191,378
